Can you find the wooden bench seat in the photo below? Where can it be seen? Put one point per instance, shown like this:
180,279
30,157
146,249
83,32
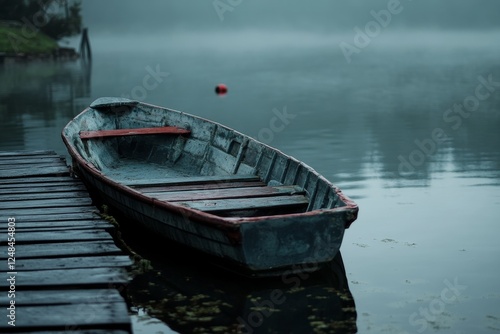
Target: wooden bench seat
132,132
207,194
201,186
190,180
225,195
251,206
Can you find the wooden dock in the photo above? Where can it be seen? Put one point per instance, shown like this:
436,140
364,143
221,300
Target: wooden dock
68,275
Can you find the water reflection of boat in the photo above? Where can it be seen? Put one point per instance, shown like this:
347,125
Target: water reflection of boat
198,299
209,187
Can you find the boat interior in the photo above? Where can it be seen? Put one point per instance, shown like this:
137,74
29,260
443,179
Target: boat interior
181,182
201,165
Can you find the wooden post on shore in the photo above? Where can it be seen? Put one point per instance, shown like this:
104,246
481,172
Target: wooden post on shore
85,52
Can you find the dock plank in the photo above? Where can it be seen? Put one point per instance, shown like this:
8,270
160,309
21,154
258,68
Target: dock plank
65,217
51,203
108,261
9,212
27,153
40,179
32,226
24,172
67,267
49,195
56,230
64,278
63,249
60,236
63,297
72,316
28,160
44,196
78,331
28,185
35,189
15,165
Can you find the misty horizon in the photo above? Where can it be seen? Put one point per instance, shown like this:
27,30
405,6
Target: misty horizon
130,16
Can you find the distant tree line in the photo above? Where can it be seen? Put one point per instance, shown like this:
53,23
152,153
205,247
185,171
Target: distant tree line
55,18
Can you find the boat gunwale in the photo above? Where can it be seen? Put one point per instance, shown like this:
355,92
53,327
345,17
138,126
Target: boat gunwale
231,223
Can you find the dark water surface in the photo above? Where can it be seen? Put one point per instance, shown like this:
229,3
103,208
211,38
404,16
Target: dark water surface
387,128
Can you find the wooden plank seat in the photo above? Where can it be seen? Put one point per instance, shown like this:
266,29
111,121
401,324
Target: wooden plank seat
225,193
132,132
200,186
251,206
190,180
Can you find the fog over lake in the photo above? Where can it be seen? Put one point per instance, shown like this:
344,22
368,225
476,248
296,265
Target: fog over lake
321,15
396,102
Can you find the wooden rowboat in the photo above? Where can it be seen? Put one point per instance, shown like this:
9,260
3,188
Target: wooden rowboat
204,185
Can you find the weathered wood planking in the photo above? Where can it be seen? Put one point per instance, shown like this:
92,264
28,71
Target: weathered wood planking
42,203
60,236
36,159
190,180
28,160
80,331
201,186
41,179
59,225
14,164
64,278
50,212
33,164
62,297
73,316
34,189
43,196
108,261
67,217
248,192
63,249
235,204
29,171
17,165
27,153
68,269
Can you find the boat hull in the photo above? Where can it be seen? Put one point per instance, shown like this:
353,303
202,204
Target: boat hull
269,248
257,244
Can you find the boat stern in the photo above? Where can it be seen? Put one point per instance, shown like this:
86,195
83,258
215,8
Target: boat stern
301,242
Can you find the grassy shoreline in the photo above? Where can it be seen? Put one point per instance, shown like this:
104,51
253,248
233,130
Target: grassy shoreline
14,40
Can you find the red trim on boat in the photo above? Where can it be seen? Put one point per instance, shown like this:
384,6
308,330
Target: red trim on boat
132,132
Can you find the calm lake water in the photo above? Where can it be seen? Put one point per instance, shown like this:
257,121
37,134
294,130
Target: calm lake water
388,129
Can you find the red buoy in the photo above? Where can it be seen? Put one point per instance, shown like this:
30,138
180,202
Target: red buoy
221,89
